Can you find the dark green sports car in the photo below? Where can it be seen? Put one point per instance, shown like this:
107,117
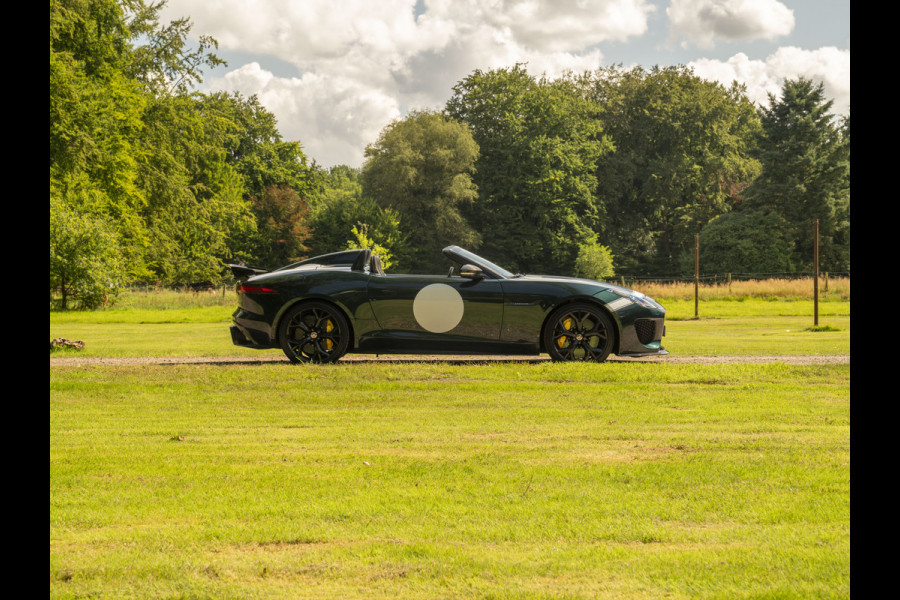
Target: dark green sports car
318,309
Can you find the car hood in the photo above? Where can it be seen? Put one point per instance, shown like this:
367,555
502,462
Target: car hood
600,285
591,286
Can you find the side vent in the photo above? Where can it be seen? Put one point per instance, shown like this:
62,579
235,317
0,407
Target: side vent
648,330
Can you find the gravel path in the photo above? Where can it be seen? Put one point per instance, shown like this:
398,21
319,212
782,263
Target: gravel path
60,361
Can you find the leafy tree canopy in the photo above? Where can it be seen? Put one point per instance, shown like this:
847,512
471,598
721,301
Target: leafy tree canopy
85,264
421,167
805,156
744,241
539,142
282,218
170,173
682,157
362,240
529,171
341,207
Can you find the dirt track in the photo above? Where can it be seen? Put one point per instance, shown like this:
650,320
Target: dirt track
276,358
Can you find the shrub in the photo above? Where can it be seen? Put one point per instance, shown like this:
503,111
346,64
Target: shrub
361,239
86,266
594,261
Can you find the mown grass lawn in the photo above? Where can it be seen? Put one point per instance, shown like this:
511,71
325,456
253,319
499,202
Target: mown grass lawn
446,480
412,480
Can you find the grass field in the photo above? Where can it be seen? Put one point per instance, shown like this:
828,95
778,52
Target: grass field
168,323
447,480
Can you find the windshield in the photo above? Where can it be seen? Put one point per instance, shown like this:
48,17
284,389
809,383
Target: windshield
464,256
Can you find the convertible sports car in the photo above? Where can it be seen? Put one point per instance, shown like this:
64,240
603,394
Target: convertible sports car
318,309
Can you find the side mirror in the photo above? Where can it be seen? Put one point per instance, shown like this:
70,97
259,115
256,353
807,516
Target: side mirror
471,272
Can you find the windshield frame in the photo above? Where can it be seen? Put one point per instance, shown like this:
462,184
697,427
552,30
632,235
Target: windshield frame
464,257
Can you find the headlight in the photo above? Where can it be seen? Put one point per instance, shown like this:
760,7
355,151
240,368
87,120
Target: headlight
637,298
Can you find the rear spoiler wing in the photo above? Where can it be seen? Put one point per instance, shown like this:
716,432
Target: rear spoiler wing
243,272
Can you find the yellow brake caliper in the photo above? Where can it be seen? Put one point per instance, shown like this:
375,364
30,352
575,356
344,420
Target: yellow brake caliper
329,327
567,325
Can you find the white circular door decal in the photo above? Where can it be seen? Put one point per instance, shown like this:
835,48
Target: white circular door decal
438,307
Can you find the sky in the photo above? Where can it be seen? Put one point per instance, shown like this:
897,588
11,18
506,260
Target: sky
336,72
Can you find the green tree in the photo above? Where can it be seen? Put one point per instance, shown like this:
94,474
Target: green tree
93,35
421,168
682,157
195,207
282,227
86,264
171,171
165,63
744,241
254,148
805,153
539,141
95,116
128,144
336,209
341,206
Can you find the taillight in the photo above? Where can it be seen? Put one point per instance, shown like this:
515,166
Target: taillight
255,289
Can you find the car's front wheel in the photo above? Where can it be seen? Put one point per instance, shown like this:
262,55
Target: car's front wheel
579,332
314,332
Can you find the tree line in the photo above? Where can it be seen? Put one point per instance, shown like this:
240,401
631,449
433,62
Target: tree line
152,181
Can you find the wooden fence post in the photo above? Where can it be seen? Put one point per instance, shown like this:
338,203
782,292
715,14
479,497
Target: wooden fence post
816,276
696,275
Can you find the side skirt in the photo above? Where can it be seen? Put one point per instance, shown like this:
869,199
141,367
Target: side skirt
400,346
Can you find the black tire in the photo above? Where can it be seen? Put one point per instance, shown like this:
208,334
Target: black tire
579,332
314,332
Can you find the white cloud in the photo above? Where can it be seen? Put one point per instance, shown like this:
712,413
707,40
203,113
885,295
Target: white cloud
702,22
829,65
305,31
551,25
333,117
363,62
364,38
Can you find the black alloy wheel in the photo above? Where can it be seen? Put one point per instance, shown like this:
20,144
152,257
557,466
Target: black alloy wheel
314,332
579,332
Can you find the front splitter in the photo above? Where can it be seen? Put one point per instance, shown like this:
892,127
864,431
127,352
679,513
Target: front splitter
660,352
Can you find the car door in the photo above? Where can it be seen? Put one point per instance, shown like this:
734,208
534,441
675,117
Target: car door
436,308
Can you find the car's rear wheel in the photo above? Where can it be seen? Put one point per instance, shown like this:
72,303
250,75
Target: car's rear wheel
579,332
314,332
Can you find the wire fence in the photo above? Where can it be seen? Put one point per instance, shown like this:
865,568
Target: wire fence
706,279
724,278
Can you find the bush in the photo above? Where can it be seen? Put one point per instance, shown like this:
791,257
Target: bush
594,261
86,266
361,240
